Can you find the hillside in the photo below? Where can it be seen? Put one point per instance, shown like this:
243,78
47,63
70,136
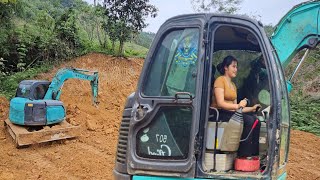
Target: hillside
41,32
305,97
92,155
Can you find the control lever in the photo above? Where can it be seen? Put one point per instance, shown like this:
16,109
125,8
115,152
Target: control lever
253,126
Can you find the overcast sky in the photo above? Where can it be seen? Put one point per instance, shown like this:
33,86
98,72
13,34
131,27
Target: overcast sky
270,11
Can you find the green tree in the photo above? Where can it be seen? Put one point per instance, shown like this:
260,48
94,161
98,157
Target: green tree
7,9
44,21
66,28
269,29
221,6
144,39
111,29
128,16
87,19
100,21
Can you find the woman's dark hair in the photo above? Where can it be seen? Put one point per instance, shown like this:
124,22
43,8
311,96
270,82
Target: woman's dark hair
225,63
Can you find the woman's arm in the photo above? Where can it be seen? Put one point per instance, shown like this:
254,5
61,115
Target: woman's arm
248,109
251,109
219,95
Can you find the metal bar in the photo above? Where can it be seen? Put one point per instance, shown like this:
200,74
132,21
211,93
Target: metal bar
298,66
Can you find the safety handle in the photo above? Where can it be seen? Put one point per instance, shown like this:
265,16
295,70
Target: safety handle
176,96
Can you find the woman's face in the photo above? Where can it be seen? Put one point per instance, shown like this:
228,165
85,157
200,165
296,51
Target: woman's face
232,69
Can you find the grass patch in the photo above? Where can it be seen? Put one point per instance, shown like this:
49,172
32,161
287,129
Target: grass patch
134,50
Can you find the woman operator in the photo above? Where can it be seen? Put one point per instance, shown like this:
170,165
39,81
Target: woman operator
225,100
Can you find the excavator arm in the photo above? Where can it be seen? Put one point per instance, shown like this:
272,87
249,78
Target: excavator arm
298,29
55,88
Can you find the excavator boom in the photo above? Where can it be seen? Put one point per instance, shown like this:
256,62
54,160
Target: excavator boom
58,80
298,29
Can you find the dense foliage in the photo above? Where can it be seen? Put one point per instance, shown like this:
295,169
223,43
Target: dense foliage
33,33
221,6
144,39
305,115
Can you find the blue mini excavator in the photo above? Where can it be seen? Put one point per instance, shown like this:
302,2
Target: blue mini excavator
37,102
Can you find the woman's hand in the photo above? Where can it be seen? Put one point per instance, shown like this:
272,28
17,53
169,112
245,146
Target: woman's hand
251,109
256,107
243,103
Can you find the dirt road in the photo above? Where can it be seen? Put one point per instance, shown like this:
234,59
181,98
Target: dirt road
91,156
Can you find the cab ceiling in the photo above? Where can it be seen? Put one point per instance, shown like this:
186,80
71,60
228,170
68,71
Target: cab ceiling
234,38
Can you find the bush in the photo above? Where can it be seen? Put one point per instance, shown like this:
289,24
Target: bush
305,115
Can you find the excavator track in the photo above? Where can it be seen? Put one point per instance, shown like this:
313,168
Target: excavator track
24,136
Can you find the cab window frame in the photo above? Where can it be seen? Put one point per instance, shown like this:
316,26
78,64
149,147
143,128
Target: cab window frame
155,54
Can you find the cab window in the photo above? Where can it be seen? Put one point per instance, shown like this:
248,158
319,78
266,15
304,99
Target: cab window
40,91
174,65
23,91
168,135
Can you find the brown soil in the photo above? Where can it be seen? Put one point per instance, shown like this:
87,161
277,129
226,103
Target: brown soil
92,155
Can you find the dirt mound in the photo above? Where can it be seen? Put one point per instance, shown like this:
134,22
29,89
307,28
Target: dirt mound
92,155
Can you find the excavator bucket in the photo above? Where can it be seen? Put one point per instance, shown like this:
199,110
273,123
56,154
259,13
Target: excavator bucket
24,136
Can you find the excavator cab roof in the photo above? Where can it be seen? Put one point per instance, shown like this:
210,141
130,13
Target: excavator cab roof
226,38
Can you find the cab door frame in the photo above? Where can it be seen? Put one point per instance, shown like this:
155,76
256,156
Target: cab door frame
274,80
149,107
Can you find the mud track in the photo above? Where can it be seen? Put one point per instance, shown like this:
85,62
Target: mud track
92,155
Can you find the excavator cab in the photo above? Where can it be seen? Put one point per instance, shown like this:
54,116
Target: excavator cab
32,89
29,107
169,129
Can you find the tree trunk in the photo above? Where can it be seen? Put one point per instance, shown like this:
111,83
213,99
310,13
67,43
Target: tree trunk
121,49
98,34
105,4
105,39
95,3
113,45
